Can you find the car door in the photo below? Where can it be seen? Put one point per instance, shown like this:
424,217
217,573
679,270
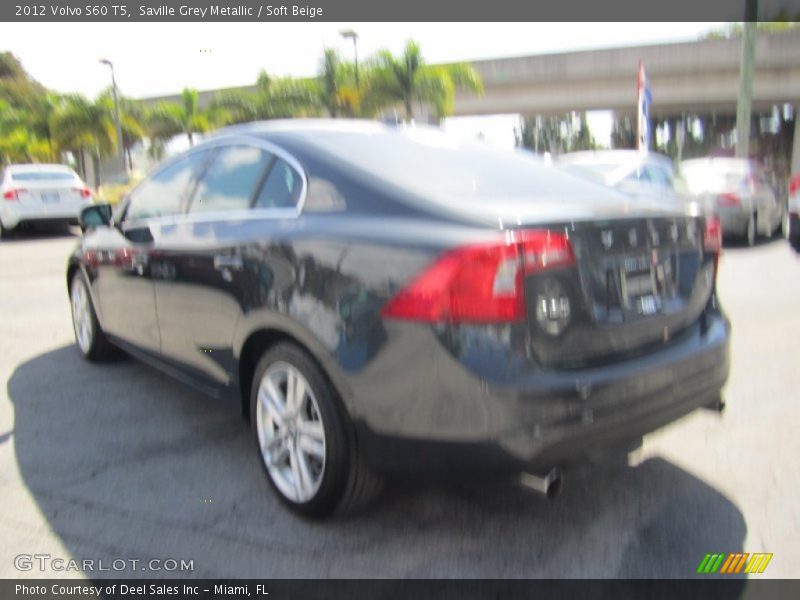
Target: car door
124,284
210,260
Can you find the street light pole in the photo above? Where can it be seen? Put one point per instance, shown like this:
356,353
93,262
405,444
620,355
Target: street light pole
351,34
116,114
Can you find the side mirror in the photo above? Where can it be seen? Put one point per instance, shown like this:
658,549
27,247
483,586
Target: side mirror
95,215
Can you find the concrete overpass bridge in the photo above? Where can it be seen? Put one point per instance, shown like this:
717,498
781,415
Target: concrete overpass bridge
700,77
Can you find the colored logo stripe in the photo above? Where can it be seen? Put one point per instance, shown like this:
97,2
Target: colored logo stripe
734,563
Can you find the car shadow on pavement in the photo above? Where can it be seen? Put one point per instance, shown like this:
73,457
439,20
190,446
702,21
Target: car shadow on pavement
741,244
126,464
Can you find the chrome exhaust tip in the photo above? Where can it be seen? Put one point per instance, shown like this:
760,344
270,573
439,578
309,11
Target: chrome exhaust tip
717,405
549,484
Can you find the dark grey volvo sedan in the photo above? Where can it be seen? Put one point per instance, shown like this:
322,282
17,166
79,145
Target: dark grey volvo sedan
384,299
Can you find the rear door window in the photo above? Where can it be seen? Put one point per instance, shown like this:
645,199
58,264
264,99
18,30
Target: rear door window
232,179
282,187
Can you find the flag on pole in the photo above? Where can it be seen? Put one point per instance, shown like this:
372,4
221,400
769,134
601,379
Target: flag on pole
643,109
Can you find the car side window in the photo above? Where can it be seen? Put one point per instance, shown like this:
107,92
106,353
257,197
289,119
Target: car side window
163,193
231,179
282,187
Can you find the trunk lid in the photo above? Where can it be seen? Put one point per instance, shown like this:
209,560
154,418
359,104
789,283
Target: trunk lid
638,283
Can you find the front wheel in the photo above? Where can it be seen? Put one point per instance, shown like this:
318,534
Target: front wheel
303,437
89,336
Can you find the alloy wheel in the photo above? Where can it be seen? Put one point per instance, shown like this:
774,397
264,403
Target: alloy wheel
290,432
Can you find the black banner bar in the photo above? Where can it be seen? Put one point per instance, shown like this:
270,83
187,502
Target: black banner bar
389,10
455,589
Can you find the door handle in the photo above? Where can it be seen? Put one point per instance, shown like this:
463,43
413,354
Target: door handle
232,262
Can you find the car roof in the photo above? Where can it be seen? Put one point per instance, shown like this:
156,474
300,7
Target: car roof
737,164
614,156
305,126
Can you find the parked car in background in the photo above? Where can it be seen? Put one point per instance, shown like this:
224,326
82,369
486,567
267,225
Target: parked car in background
40,194
382,300
628,170
114,189
738,191
793,210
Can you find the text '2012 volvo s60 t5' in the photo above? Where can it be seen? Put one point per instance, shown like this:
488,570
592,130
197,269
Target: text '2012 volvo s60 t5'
385,300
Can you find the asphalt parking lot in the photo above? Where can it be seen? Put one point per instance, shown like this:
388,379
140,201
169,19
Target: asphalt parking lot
120,462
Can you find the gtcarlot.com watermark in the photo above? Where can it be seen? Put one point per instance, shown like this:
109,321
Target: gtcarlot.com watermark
43,563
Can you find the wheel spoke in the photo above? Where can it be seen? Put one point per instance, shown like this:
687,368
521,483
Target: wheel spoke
301,473
311,446
312,430
295,392
271,405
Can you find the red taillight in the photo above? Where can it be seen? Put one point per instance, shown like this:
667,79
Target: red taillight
84,192
712,240
12,194
728,199
794,184
481,283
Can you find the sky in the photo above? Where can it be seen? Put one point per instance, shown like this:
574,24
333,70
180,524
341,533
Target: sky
152,59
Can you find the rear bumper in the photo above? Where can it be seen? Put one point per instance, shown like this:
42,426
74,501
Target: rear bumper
549,418
794,229
14,214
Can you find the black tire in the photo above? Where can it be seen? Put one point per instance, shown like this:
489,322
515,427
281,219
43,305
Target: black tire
99,348
751,233
347,484
4,233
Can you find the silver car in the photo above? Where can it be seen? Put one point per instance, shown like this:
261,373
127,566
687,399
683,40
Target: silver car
738,191
628,170
40,193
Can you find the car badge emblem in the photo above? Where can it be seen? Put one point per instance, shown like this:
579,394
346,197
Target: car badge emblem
654,237
690,230
633,238
607,237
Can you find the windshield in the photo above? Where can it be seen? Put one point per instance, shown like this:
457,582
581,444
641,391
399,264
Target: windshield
437,166
43,176
720,176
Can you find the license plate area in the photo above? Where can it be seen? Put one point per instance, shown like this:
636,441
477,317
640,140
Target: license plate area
50,197
646,283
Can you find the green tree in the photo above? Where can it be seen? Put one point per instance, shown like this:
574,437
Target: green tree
79,124
272,98
337,87
169,119
406,79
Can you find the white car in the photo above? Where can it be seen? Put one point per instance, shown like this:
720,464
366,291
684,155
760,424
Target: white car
39,193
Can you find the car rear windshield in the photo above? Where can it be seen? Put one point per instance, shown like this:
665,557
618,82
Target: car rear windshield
716,176
437,166
43,176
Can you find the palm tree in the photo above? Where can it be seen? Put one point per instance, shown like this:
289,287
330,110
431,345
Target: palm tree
407,79
272,98
169,119
78,124
336,86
